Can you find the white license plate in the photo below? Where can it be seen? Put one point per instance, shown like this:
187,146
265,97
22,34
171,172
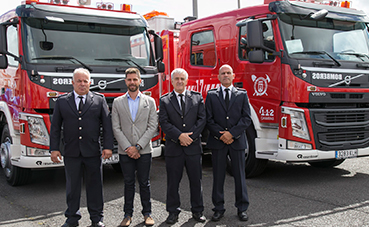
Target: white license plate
113,159
343,154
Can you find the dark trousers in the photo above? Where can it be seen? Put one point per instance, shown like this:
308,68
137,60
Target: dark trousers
91,169
142,167
174,166
219,160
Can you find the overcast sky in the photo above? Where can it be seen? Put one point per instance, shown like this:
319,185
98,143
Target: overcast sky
179,9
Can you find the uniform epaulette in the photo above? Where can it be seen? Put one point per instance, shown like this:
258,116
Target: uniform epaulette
97,93
166,94
65,94
213,89
241,89
195,92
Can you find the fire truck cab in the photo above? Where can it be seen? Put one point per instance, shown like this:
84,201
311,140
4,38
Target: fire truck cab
305,68
40,46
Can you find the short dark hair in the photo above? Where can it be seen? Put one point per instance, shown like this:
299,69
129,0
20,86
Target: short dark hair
133,71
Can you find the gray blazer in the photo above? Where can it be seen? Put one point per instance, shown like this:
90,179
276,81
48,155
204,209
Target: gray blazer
128,132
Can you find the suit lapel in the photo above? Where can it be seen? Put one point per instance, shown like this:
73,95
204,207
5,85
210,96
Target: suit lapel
89,101
72,103
174,101
125,106
141,104
188,101
233,96
221,98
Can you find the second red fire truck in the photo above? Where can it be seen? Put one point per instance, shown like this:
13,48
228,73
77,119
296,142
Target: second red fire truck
305,67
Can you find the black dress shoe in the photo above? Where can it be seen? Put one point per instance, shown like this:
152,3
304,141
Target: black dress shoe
70,224
172,218
217,216
97,224
243,216
199,217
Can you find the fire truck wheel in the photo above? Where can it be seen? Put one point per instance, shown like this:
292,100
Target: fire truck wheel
327,164
116,167
14,175
254,166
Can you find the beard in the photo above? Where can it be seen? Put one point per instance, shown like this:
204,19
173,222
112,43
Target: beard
133,88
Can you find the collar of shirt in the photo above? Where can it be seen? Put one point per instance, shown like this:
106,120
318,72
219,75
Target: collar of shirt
133,105
138,96
179,98
77,100
224,92
184,93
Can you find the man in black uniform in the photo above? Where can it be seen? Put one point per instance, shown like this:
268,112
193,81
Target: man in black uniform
80,113
228,116
182,118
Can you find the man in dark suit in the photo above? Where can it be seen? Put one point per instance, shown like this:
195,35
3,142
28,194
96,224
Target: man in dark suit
80,113
228,116
182,118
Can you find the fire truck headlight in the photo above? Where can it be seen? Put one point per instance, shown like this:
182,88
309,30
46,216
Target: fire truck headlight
37,130
298,146
298,123
37,152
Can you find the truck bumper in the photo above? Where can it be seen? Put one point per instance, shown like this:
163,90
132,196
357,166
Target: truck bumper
266,149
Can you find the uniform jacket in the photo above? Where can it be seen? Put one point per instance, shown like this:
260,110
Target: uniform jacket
81,132
128,132
236,119
173,123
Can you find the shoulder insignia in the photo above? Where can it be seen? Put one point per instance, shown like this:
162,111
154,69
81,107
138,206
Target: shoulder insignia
196,92
97,93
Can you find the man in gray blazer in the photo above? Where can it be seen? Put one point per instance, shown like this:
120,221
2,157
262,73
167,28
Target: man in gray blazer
78,115
135,122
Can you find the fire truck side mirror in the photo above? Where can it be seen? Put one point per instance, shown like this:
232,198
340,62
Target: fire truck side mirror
256,56
161,66
3,62
255,34
158,43
3,40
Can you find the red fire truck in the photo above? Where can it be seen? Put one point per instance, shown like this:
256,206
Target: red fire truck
305,67
40,46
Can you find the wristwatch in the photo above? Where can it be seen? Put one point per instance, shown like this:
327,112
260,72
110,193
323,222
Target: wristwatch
138,147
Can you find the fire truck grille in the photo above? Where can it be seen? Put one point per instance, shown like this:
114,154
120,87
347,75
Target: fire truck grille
340,129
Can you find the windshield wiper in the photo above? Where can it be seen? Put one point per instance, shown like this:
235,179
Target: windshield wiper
358,55
64,58
122,59
319,53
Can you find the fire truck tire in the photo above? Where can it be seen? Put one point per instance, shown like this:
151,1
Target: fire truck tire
116,167
14,175
254,166
327,164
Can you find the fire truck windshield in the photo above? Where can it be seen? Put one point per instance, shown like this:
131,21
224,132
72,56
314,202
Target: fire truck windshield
91,44
325,39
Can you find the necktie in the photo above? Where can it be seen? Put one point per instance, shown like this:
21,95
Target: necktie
80,106
227,97
182,104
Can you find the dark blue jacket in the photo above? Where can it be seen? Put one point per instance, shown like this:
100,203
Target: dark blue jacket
236,119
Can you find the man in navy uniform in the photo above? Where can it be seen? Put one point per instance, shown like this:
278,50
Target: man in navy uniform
228,116
182,118
78,115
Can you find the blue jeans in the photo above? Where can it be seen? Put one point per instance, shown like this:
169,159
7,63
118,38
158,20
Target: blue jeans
142,167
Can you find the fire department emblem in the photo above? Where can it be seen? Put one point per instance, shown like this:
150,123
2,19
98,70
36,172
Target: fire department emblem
260,85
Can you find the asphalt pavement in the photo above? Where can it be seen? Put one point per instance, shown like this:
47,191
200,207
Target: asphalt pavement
287,195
